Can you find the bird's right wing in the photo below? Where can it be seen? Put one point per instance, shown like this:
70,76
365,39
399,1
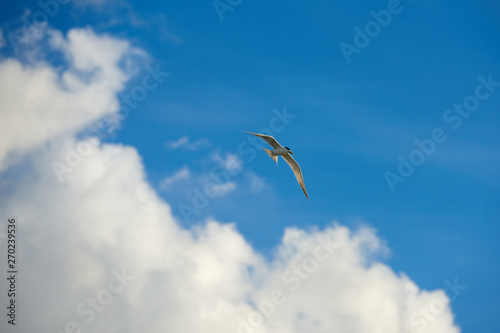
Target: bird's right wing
269,139
296,170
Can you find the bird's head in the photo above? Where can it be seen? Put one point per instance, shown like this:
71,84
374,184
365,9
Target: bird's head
289,151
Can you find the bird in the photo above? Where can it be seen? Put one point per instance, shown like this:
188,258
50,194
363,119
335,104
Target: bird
285,152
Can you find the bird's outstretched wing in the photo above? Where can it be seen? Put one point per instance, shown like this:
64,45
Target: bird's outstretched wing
269,139
296,170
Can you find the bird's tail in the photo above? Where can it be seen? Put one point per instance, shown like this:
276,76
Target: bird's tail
270,153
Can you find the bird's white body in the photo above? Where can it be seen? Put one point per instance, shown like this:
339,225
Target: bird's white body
280,151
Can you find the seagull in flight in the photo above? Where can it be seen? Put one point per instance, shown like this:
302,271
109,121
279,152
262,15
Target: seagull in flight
285,152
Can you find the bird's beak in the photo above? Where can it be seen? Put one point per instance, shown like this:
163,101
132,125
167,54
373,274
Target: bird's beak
291,153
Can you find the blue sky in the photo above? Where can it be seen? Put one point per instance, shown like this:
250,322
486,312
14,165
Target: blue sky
351,121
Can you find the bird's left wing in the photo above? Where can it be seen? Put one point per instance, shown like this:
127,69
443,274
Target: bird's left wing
269,139
296,170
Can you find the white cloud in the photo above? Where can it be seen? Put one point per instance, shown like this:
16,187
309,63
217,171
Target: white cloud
229,162
214,186
39,103
186,144
181,174
256,183
225,188
229,166
76,236
106,217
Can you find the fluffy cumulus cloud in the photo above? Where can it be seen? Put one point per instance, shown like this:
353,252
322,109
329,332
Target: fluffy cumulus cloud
39,102
102,252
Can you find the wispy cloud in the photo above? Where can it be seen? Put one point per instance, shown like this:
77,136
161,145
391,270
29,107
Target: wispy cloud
475,160
123,13
2,38
256,183
225,188
229,161
160,23
186,144
98,4
181,174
